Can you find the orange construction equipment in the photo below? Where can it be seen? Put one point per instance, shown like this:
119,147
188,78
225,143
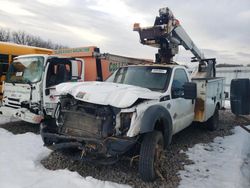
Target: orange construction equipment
99,66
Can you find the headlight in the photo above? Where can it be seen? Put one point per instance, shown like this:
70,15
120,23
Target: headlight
125,121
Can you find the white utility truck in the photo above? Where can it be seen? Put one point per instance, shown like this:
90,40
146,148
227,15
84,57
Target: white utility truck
138,109
29,89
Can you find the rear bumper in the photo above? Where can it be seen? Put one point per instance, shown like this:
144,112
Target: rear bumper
108,147
21,113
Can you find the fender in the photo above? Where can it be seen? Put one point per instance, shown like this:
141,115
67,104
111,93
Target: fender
150,117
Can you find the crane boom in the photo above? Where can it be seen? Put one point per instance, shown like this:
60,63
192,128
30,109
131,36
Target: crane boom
187,42
167,35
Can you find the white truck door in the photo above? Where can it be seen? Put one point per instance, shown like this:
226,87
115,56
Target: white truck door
182,109
57,72
77,66
49,90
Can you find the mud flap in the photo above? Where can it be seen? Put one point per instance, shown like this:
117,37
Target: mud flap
240,96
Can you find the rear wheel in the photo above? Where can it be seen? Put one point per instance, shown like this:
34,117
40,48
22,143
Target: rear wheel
151,153
213,122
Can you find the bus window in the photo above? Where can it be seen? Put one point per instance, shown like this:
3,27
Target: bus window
4,59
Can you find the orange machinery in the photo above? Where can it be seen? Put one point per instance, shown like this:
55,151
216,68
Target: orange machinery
99,66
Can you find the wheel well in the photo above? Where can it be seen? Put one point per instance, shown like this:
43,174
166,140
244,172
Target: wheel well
159,126
218,105
165,129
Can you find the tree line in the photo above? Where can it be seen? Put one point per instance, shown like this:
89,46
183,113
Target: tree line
21,37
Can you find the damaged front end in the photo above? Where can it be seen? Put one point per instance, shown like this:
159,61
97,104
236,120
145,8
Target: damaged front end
89,131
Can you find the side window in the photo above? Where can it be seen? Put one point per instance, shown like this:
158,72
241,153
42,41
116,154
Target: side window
58,73
4,59
180,78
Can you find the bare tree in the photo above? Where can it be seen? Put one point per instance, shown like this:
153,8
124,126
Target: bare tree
21,37
36,41
59,46
4,35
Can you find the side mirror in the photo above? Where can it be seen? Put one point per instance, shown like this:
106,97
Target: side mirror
190,90
47,92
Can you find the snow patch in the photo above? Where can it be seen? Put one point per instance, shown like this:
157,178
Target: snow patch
223,163
5,119
20,166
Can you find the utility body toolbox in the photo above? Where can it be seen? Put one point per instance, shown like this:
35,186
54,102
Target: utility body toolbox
210,93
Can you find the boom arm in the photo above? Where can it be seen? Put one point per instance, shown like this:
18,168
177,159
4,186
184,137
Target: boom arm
166,35
187,43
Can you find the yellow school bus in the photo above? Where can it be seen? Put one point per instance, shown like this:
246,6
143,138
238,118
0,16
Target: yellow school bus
8,51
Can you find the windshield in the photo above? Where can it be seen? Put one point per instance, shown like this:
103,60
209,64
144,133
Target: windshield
153,78
25,70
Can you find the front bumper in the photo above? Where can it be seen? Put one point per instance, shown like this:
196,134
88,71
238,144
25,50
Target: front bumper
110,147
22,114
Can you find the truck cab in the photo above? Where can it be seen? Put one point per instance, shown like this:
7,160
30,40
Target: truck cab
138,109
29,89
140,106
166,82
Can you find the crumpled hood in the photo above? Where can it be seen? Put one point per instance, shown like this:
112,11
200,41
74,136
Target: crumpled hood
107,93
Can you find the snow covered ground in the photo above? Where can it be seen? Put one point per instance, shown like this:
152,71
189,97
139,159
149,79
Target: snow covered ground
20,166
4,119
222,163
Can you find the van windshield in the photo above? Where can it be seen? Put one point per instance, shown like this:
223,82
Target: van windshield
153,78
25,70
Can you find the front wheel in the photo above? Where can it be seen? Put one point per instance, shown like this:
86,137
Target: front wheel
213,122
48,125
151,152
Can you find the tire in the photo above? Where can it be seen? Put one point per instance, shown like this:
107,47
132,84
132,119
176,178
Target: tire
49,125
46,141
213,122
152,147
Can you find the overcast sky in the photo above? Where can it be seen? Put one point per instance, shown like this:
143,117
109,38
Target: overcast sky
220,28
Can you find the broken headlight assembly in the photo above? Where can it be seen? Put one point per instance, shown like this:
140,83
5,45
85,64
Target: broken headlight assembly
125,118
